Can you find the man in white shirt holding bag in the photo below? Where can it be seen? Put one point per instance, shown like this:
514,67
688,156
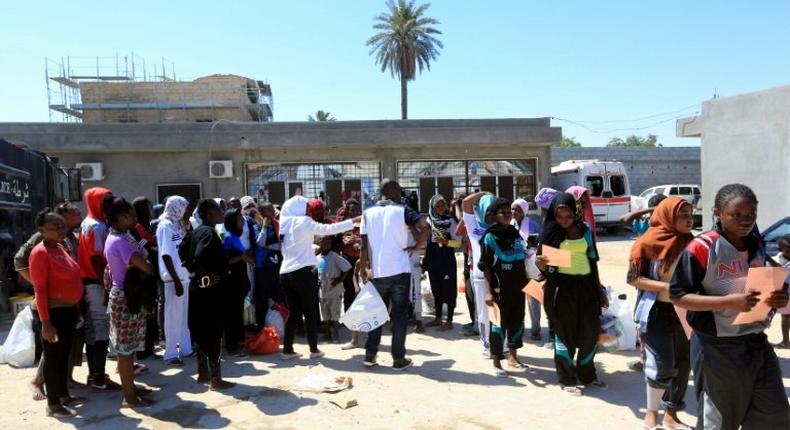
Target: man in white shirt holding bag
385,262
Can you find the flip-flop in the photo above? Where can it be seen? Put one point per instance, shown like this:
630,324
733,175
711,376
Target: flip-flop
140,369
572,390
500,373
74,401
61,412
517,366
143,403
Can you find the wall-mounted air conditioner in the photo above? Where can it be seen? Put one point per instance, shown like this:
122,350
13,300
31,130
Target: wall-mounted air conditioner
91,171
220,169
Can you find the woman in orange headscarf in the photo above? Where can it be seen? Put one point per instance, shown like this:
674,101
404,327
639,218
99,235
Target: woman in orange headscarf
666,346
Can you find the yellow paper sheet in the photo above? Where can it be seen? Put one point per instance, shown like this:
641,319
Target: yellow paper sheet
763,280
557,257
534,289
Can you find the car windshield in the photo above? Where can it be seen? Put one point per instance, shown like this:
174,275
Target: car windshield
647,192
779,231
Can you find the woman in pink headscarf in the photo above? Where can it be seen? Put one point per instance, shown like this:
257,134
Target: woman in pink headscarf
584,207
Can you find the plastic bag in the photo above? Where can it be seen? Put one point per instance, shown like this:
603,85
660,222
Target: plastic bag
19,349
368,311
276,318
265,342
627,341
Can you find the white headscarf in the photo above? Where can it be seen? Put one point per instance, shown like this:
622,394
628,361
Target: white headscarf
175,207
292,209
523,228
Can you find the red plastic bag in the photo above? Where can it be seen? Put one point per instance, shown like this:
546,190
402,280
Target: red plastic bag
282,309
265,342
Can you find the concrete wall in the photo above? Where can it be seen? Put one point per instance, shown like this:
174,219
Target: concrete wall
136,157
746,139
647,167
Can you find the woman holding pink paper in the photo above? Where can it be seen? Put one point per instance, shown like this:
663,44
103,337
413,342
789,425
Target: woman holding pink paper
666,347
736,371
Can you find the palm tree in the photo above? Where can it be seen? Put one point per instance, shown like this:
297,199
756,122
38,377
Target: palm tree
406,43
321,116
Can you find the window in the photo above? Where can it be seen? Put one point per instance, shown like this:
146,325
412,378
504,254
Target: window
191,192
451,178
595,185
697,192
617,183
334,182
674,191
685,191
647,192
780,231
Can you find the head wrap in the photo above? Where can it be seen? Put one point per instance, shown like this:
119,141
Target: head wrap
662,241
94,202
440,223
292,209
553,233
175,207
316,210
481,209
584,209
523,226
544,197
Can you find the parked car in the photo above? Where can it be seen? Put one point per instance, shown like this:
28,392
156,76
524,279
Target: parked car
772,234
689,192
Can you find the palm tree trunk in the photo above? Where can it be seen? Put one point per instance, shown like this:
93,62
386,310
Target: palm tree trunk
404,99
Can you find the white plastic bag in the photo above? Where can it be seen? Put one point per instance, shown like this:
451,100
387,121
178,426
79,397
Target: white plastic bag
19,349
275,319
368,311
627,341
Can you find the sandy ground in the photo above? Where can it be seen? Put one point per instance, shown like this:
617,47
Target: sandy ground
450,387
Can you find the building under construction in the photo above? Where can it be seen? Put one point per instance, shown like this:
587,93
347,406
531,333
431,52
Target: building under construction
124,89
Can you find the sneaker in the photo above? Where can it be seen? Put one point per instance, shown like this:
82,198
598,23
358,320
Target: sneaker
402,364
370,362
175,362
350,345
289,355
105,385
316,355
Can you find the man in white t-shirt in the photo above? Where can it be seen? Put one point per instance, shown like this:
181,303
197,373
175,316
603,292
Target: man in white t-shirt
474,207
170,233
385,262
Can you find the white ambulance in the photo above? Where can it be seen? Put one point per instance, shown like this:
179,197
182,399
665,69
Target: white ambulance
607,182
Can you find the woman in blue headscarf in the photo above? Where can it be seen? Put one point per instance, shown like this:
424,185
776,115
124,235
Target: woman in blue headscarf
475,207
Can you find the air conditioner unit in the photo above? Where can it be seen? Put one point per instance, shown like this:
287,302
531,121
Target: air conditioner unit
219,169
91,171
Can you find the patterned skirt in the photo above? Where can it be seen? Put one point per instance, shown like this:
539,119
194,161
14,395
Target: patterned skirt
127,330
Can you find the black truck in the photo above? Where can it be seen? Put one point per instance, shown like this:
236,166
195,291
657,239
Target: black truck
29,182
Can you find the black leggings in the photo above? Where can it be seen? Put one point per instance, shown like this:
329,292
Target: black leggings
57,354
206,325
301,293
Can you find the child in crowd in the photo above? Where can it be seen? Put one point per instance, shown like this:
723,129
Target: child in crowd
332,271
573,296
529,230
666,347
502,262
736,372
783,258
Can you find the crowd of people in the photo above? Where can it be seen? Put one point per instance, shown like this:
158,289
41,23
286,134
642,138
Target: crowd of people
131,275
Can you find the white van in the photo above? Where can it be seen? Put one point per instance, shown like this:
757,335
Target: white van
607,182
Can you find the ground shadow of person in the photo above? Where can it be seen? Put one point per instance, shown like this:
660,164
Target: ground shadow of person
186,414
269,400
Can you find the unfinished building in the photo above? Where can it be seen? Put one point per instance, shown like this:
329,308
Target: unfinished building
121,89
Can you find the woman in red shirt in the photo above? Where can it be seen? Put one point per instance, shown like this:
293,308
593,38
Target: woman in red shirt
58,288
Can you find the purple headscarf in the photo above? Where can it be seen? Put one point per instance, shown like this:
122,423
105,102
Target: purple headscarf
545,196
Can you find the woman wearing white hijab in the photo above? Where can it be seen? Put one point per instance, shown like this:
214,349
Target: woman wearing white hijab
526,228
169,234
297,272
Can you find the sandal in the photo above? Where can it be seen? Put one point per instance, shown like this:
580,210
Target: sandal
500,373
140,403
140,369
572,390
60,412
517,366
73,401
142,391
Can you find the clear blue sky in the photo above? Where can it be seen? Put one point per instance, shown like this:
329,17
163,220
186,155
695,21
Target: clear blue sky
592,61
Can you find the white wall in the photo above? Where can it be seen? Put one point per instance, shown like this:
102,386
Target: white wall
746,139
